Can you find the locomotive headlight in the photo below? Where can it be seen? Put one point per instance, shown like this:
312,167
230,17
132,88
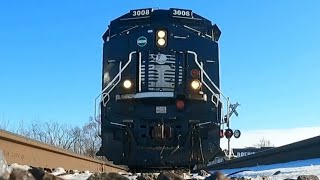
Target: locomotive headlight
195,84
161,34
161,42
127,84
161,38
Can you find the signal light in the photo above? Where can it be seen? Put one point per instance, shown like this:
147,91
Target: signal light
236,133
221,134
228,133
195,73
161,38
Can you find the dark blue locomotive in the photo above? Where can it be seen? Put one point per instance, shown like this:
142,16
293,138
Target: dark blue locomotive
161,105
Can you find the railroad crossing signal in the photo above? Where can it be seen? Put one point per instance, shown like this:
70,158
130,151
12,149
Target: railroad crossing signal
233,108
236,133
228,133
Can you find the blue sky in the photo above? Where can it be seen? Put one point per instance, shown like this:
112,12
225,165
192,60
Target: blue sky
51,53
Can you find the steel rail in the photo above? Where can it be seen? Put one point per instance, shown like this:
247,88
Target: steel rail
25,151
301,150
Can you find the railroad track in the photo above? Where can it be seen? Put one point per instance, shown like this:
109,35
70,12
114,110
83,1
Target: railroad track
25,151
301,150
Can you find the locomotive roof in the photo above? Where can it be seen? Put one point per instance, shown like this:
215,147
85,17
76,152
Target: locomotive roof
159,16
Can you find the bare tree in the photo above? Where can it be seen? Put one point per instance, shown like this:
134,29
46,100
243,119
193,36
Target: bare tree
20,129
264,143
78,145
91,138
51,133
4,124
84,140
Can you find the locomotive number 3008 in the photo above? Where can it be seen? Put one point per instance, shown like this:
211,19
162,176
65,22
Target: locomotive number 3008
143,12
177,12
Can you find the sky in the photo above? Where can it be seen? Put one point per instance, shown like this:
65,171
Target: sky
51,57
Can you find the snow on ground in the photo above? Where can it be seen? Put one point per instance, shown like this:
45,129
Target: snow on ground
18,166
3,166
77,176
58,171
287,170
290,170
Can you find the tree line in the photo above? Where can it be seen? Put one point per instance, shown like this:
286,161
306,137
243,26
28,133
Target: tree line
83,140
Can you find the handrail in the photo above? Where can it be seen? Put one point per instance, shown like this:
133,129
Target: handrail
112,84
203,72
120,72
139,90
213,93
118,76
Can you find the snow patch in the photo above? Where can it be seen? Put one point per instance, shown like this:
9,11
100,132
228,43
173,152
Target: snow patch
287,170
58,171
3,165
18,166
